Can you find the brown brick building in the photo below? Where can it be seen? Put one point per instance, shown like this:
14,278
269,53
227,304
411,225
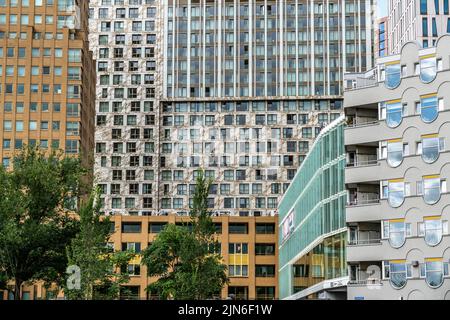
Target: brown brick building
47,77
249,247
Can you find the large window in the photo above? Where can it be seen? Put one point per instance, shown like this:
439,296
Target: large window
430,147
238,259
397,271
431,188
392,111
396,231
238,228
395,150
432,229
428,108
131,227
392,71
428,68
395,191
434,270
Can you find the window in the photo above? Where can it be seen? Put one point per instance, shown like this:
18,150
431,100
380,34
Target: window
395,152
428,68
238,228
431,188
397,272
392,111
396,231
392,72
238,257
423,7
395,191
156,227
265,228
432,229
428,108
434,270
265,270
131,227
430,147
131,246
264,249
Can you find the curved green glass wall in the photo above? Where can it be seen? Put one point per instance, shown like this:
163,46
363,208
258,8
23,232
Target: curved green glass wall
313,207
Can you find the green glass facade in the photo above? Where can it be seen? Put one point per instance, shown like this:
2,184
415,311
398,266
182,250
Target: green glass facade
312,216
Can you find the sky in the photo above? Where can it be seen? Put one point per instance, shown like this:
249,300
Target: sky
382,8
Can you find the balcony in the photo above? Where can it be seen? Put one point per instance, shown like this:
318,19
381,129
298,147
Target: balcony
365,273
359,158
364,234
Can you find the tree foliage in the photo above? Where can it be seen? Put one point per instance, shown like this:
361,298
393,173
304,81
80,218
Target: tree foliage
186,261
98,264
34,227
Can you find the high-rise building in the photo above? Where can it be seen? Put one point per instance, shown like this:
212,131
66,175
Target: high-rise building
312,229
47,78
420,20
397,172
239,89
247,86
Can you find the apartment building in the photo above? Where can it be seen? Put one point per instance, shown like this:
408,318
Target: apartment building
47,78
396,176
312,227
421,20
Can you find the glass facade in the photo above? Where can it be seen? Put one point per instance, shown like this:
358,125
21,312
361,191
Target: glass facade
264,48
312,207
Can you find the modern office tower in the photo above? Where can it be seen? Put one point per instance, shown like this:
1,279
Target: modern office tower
381,37
398,167
312,229
47,78
421,20
247,87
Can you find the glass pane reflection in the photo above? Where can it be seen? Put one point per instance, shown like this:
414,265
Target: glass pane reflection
392,76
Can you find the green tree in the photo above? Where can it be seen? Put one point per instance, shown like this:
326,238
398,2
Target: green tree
98,264
34,226
188,262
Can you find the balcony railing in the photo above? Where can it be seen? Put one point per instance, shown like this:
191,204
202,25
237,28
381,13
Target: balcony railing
366,282
363,242
362,202
361,123
363,163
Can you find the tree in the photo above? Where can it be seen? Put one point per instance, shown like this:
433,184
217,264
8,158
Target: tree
186,261
89,251
34,227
